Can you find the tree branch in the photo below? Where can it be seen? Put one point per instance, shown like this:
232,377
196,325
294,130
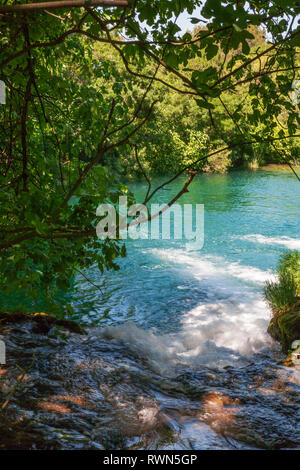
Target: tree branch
212,154
62,4
169,204
100,152
142,170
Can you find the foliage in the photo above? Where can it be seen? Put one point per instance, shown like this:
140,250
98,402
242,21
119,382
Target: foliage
282,294
290,263
226,120
76,110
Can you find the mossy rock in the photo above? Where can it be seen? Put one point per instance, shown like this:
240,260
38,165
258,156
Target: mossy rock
44,321
285,328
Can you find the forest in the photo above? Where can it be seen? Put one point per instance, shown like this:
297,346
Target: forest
176,102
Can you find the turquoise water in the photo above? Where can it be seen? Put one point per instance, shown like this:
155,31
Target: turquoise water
251,217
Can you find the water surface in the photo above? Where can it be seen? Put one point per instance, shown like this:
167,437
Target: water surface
178,356
209,299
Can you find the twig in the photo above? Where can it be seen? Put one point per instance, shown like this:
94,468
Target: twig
169,204
286,161
88,280
143,171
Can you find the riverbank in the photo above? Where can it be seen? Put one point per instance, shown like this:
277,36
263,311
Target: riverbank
280,167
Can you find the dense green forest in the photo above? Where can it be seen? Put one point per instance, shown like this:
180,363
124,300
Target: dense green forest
99,93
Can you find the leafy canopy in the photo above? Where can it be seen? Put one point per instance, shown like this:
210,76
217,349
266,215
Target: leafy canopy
84,88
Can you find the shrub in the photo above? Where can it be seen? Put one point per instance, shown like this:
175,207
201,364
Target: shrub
290,263
282,294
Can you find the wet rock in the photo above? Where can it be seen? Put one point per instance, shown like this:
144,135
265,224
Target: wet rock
43,322
90,392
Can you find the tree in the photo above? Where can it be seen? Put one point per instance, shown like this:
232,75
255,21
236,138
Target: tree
67,112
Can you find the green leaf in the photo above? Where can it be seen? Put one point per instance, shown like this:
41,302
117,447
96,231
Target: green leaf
204,104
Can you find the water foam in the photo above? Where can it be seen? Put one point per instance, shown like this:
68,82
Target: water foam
290,243
214,266
225,329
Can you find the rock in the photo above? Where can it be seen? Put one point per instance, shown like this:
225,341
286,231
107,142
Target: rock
292,359
44,322
285,328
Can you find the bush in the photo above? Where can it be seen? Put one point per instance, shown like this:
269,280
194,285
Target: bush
290,263
282,295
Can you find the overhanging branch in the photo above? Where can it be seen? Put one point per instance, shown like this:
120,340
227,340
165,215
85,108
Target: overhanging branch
61,4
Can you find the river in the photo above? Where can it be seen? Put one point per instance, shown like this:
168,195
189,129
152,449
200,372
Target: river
205,304
178,356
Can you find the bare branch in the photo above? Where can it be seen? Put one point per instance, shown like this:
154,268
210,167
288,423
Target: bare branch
175,198
258,56
61,4
143,171
286,161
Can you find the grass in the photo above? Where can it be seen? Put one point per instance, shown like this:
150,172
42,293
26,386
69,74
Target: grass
290,263
282,295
